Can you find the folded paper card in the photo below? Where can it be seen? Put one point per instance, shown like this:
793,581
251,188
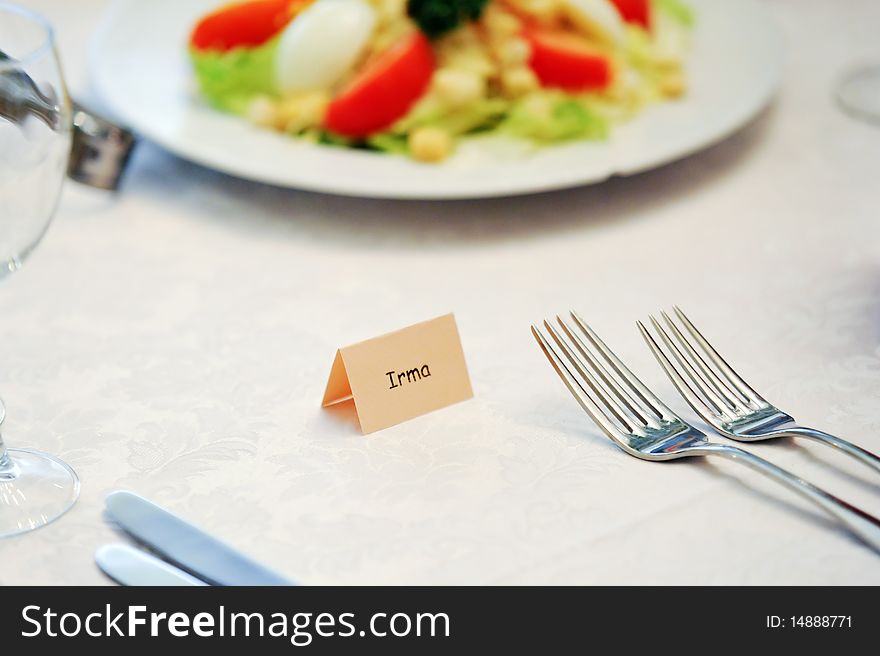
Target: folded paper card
401,375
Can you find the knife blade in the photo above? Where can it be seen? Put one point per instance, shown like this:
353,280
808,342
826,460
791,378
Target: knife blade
184,545
129,566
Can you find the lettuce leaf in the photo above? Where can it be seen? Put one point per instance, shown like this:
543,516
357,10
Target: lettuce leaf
229,80
554,119
396,144
479,115
677,10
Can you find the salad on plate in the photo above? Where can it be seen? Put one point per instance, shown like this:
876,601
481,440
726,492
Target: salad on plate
413,77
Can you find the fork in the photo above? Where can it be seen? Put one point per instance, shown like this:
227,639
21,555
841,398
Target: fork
644,427
722,398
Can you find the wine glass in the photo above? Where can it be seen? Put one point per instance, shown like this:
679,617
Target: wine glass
858,93
35,131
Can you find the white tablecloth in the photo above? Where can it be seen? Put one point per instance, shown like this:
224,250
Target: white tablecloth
175,339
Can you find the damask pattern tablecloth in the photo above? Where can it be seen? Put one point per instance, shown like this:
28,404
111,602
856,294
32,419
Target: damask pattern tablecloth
174,340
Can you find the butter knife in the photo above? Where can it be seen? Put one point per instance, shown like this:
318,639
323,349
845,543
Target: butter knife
129,566
100,149
186,546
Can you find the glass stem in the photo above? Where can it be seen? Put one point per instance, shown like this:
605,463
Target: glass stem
7,467
7,470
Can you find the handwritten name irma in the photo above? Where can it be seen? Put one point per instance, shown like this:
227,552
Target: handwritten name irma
397,379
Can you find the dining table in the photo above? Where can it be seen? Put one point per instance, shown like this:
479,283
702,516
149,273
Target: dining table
174,338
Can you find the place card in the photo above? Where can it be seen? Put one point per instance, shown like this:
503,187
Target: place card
401,375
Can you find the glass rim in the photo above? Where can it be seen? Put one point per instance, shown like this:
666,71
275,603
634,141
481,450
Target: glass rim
45,46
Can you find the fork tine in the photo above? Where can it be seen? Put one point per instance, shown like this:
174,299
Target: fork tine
677,379
604,397
714,402
638,409
577,390
727,371
733,399
636,385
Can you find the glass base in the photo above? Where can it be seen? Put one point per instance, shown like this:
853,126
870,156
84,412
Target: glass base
858,93
35,490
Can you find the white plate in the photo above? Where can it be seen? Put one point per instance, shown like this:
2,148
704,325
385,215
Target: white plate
140,68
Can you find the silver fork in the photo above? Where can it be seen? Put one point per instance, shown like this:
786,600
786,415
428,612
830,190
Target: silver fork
643,426
722,398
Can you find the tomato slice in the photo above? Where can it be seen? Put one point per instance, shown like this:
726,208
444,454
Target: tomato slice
246,24
566,61
385,90
635,11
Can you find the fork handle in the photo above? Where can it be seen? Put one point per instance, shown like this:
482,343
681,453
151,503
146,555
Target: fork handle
857,452
864,526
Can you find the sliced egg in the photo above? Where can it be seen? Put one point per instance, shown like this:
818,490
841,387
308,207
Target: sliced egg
598,18
322,44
